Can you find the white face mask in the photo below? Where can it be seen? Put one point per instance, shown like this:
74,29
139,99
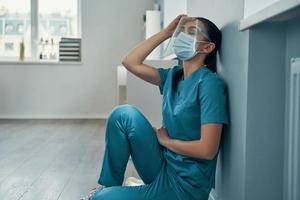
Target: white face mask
185,46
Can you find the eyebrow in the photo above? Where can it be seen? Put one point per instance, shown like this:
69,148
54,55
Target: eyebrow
192,27
204,32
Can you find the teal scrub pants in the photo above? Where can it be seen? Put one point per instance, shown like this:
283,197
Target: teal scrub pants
127,133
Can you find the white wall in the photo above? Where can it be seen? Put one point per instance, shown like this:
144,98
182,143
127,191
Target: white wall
172,8
110,29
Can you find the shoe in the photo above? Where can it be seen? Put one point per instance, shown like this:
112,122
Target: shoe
92,192
132,181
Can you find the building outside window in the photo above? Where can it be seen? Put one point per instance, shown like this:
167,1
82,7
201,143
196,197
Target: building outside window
40,24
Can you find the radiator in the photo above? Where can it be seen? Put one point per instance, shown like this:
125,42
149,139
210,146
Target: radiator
293,178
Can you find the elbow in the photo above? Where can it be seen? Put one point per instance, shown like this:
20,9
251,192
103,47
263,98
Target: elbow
125,62
210,155
130,62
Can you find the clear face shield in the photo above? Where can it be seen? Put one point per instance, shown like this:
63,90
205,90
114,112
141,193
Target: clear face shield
185,41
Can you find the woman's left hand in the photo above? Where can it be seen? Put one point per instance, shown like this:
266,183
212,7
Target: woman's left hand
162,136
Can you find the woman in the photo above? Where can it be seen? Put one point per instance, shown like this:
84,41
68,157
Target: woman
178,160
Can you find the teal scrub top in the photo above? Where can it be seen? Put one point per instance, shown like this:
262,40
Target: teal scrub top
199,99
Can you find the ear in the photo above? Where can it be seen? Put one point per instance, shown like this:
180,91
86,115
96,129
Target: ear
207,47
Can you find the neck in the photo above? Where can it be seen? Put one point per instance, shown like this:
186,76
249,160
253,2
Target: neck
189,66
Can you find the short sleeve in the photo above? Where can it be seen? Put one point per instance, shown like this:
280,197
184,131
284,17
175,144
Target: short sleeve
163,72
213,102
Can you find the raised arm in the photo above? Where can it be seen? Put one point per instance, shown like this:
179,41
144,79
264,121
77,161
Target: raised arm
133,61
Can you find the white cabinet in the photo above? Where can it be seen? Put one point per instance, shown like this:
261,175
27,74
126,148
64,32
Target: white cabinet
253,6
257,11
121,85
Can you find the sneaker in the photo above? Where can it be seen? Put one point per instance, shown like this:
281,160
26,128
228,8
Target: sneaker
132,181
92,192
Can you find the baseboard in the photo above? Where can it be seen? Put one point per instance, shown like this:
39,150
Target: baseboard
53,116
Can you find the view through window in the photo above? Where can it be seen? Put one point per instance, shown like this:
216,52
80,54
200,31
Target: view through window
14,27
56,19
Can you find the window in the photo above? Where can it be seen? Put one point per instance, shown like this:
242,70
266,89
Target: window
40,24
14,27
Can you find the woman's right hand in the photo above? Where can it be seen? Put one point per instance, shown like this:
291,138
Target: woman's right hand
134,59
169,30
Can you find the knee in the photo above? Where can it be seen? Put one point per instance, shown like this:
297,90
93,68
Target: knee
124,109
129,119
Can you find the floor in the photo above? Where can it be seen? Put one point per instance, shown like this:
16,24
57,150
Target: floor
50,159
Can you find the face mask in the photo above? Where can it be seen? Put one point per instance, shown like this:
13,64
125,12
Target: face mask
185,46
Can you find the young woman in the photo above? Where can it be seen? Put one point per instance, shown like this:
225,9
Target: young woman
178,160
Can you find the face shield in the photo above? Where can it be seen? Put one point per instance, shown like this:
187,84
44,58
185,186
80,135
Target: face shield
185,41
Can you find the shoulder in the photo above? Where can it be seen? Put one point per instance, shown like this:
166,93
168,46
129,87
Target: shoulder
211,81
166,75
171,69
168,71
175,68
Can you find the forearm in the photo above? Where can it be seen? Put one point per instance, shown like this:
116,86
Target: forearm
138,54
194,148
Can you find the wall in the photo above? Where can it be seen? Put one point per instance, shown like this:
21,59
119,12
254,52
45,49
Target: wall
172,8
233,67
84,91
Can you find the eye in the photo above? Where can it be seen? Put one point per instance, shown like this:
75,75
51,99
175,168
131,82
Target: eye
192,31
182,28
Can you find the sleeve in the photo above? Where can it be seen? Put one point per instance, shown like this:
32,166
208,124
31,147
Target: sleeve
213,102
163,73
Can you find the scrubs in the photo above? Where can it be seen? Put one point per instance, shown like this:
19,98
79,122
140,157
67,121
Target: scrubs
199,99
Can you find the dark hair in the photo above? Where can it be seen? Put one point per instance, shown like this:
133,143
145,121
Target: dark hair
211,59
216,37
